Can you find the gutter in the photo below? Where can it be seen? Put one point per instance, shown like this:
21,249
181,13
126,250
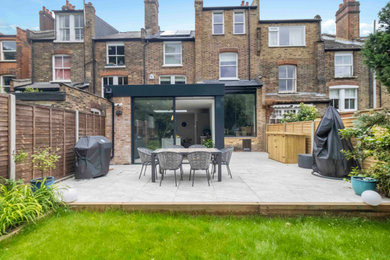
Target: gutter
113,129
93,69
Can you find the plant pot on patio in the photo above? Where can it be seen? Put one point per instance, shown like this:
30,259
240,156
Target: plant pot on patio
361,184
37,183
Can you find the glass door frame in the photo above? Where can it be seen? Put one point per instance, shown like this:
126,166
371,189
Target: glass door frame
174,121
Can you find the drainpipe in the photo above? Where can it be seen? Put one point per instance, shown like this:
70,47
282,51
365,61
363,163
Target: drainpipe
144,57
249,45
374,88
93,69
113,128
32,61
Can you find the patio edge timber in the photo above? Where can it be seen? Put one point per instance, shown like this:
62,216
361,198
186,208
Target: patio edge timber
256,208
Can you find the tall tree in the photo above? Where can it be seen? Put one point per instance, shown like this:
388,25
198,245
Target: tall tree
377,48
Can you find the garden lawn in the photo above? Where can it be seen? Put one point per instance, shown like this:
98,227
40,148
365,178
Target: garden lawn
119,235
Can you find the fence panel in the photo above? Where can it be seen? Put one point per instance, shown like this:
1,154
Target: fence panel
4,142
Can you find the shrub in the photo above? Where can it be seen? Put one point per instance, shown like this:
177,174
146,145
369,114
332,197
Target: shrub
208,143
19,204
31,90
305,113
45,159
372,134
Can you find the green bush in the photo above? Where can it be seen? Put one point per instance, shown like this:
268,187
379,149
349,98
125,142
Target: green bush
19,204
208,143
305,113
31,90
372,134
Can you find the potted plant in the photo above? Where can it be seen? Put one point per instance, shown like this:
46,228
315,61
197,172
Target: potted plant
44,160
371,133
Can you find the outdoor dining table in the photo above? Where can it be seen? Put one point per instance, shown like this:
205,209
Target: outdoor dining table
185,151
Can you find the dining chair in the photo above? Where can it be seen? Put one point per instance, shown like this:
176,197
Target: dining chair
145,155
170,161
225,160
199,161
197,146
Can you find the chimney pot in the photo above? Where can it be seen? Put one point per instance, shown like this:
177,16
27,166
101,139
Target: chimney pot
242,3
247,3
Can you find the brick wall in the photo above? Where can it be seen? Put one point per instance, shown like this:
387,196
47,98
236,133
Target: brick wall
43,52
8,67
23,55
348,20
209,46
303,57
123,132
155,62
133,63
361,77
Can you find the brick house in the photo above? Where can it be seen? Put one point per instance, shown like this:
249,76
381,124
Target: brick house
226,80
15,58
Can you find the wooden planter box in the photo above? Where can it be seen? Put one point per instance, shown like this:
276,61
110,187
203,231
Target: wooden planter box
285,147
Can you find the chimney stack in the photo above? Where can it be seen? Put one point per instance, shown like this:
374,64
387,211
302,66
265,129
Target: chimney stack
46,20
151,17
348,20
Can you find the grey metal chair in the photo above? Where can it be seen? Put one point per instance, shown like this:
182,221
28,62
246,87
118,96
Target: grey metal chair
170,161
199,161
145,155
225,160
197,146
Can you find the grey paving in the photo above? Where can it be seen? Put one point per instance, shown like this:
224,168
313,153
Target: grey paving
255,179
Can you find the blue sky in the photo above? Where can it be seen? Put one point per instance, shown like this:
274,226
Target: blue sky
128,15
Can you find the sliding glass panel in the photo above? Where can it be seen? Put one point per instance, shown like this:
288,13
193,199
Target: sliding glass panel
240,114
153,123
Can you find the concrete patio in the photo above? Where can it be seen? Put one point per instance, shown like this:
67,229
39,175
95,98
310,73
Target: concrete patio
255,179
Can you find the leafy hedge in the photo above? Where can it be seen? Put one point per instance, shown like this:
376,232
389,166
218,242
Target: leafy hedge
372,133
19,204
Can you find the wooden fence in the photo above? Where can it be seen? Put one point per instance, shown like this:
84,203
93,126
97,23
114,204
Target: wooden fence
308,128
38,127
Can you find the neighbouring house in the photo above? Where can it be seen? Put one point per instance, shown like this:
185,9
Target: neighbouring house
15,58
225,80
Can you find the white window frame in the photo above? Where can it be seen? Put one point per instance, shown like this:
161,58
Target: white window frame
338,54
181,54
229,78
79,28
284,109
2,51
173,78
96,111
115,81
277,29
116,55
234,22
2,84
294,90
72,29
223,22
63,68
341,89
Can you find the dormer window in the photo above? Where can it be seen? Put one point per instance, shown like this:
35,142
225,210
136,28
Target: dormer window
70,27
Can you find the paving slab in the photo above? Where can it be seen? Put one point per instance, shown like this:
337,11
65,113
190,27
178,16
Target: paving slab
255,179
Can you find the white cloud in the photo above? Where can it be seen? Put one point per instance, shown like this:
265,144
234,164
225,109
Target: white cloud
366,29
6,28
329,26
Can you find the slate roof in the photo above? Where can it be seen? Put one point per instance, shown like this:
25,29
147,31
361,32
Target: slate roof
42,35
121,36
333,44
102,28
53,85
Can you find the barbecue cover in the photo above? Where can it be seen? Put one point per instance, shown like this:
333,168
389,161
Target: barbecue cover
92,157
327,155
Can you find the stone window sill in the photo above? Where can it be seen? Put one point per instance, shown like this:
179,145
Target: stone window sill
114,67
350,77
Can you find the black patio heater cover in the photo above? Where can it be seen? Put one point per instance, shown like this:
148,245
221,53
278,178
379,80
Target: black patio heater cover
92,157
328,160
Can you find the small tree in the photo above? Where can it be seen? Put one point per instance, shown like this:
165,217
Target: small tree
376,50
45,159
305,113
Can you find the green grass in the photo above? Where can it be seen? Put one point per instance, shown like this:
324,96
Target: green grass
120,235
